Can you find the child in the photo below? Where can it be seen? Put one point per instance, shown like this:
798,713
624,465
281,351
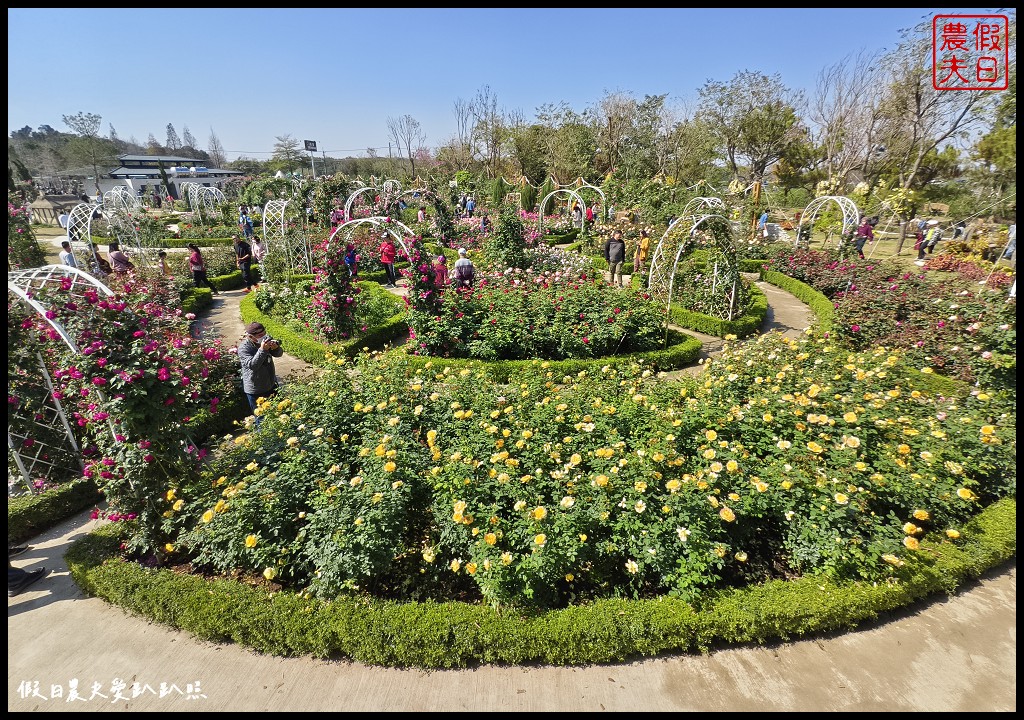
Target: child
351,260
165,269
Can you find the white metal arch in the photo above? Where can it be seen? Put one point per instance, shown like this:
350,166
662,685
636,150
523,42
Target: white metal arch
670,242
352,198
121,221
726,275
599,191
851,217
388,224
120,199
80,234
296,247
53,448
573,195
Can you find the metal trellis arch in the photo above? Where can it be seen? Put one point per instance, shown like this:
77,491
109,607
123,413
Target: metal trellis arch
851,217
667,249
40,440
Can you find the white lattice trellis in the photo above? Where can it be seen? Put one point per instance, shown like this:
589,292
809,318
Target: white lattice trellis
663,259
851,217
40,441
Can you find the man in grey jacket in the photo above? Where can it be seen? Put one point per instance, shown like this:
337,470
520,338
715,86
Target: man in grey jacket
615,255
256,354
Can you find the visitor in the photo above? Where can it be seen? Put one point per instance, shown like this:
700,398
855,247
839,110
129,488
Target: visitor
615,255
259,249
590,215
440,271
387,259
762,224
351,261
256,355
931,239
243,260
165,269
197,266
577,216
18,579
100,267
465,273
643,249
63,219
118,260
470,206
485,224
1011,244
421,215
337,217
157,200
67,257
864,233
245,223
958,229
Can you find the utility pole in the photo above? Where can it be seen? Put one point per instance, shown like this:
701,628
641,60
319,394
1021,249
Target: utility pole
311,148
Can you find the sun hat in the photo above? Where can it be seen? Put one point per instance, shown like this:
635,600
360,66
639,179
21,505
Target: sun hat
462,251
933,222
254,328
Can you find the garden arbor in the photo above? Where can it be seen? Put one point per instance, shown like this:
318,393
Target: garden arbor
40,442
666,254
295,247
389,226
573,195
851,217
80,233
722,287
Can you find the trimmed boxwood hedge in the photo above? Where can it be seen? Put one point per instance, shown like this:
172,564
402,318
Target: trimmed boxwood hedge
681,351
444,635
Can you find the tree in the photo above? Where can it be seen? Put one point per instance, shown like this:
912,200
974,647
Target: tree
217,155
173,143
841,119
187,139
87,146
753,117
916,119
287,156
489,130
528,144
408,136
152,146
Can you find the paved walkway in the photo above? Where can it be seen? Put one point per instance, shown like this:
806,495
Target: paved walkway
950,654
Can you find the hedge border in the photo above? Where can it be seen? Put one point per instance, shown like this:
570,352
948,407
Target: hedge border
452,634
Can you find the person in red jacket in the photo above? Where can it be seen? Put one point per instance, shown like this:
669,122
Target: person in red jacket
387,259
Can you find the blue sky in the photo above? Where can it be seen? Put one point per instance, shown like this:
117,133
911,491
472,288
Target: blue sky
336,75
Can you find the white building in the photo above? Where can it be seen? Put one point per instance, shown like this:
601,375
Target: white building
141,173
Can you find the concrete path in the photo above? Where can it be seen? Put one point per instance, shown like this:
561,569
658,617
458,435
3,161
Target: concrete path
949,654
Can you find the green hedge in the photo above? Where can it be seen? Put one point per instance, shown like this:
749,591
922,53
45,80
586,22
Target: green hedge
443,635
30,515
681,351
305,347
747,324
181,243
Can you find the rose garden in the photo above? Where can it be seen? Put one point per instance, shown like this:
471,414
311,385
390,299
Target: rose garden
517,471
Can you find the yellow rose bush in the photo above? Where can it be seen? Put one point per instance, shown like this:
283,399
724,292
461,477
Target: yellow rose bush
786,458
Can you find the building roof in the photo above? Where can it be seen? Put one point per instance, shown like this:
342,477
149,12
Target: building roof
147,171
173,159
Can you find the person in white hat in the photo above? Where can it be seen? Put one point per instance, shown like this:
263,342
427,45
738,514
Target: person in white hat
464,270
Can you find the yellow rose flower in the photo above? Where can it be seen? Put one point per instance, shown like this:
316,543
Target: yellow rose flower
911,543
490,538
169,548
208,516
471,568
539,513
815,447
250,541
850,417
455,565
178,504
893,560
952,534
841,499
540,539
921,515
270,573
711,435
506,558
727,514
910,528
170,494
389,466
965,494
740,556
